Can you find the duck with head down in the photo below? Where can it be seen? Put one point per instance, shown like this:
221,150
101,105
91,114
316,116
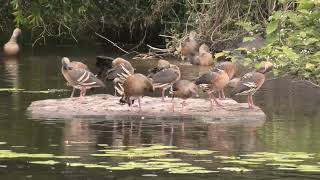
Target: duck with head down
251,82
112,74
183,89
203,58
213,81
164,78
133,86
78,76
11,48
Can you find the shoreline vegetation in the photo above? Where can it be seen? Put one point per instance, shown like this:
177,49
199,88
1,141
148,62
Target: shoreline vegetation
284,31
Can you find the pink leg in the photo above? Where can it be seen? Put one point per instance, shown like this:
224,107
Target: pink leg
183,105
223,96
251,102
172,105
211,102
215,100
139,102
162,93
73,89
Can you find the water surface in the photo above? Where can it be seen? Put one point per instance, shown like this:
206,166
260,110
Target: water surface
292,125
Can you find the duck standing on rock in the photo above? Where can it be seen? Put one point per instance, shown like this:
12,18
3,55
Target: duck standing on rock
230,68
164,78
183,89
78,76
203,58
133,86
213,81
251,82
11,48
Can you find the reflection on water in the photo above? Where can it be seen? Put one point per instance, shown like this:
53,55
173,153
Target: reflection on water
292,110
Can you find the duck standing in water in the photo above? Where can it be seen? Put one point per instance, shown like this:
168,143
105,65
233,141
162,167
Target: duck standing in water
165,77
133,86
78,76
230,68
203,58
11,48
189,46
183,89
251,82
213,81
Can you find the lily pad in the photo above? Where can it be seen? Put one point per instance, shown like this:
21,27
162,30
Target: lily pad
193,152
49,162
243,162
235,169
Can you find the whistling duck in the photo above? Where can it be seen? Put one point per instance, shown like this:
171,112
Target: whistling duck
78,76
203,58
133,86
189,46
11,48
251,82
103,63
162,64
230,68
212,81
112,74
77,65
164,78
183,89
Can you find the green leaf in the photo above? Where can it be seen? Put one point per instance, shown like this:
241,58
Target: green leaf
246,39
310,66
272,27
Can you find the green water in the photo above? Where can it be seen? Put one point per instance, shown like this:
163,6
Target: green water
292,125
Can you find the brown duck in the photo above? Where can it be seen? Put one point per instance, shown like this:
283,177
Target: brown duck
164,78
183,89
230,68
11,48
78,76
133,86
203,58
213,81
251,82
189,46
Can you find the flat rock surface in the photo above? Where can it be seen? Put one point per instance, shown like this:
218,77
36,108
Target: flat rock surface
107,107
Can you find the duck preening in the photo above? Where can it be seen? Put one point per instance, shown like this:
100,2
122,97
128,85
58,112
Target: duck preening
230,68
116,69
183,89
202,58
11,48
162,64
213,81
78,76
251,82
164,78
133,86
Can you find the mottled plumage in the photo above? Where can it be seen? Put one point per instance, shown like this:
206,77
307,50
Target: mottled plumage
164,78
251,82
79,78
213,81
202,58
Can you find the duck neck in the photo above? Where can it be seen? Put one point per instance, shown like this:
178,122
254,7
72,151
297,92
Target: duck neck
14,37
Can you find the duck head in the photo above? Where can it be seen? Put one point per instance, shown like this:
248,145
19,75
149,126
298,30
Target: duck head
266,66
65,63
